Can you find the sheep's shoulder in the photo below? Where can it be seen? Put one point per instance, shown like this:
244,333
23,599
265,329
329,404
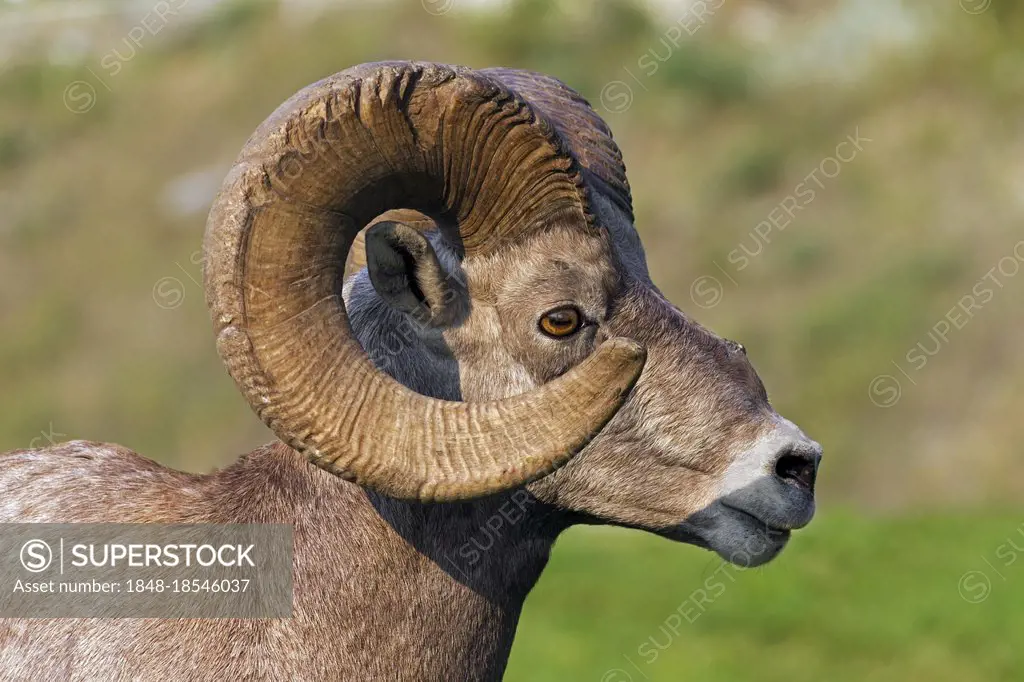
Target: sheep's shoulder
83,481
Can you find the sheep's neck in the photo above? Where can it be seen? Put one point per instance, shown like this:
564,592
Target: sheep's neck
469,568
401,590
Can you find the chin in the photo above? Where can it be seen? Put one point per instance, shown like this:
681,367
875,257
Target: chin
748,547
735,535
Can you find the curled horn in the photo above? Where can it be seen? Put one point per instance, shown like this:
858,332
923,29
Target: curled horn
463,148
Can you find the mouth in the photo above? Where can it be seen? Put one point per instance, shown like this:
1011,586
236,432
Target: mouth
748,517
735,535
746,540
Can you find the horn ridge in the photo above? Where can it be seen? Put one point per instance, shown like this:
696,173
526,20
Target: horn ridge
324,164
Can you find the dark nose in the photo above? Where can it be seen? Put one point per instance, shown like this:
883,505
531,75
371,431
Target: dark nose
797,465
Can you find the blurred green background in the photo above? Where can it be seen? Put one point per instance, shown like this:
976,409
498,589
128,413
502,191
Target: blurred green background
883,312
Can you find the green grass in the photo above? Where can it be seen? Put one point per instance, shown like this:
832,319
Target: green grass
849,599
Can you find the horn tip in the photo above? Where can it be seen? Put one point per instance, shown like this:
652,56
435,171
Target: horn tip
619,362
627,352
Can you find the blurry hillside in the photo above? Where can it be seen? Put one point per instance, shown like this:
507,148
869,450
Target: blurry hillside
116,127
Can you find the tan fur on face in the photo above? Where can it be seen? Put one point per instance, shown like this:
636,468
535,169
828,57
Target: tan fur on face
499,346
698,405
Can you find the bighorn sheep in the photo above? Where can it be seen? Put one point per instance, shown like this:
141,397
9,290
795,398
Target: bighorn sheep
540,371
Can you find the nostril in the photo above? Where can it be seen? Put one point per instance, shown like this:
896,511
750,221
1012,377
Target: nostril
797,470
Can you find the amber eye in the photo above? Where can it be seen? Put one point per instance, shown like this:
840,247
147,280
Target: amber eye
561,322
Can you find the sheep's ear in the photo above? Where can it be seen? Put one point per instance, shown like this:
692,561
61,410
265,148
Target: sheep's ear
407,274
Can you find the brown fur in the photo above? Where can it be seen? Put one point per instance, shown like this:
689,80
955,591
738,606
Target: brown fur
376,594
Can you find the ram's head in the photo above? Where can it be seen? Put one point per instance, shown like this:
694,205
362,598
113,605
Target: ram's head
515,312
